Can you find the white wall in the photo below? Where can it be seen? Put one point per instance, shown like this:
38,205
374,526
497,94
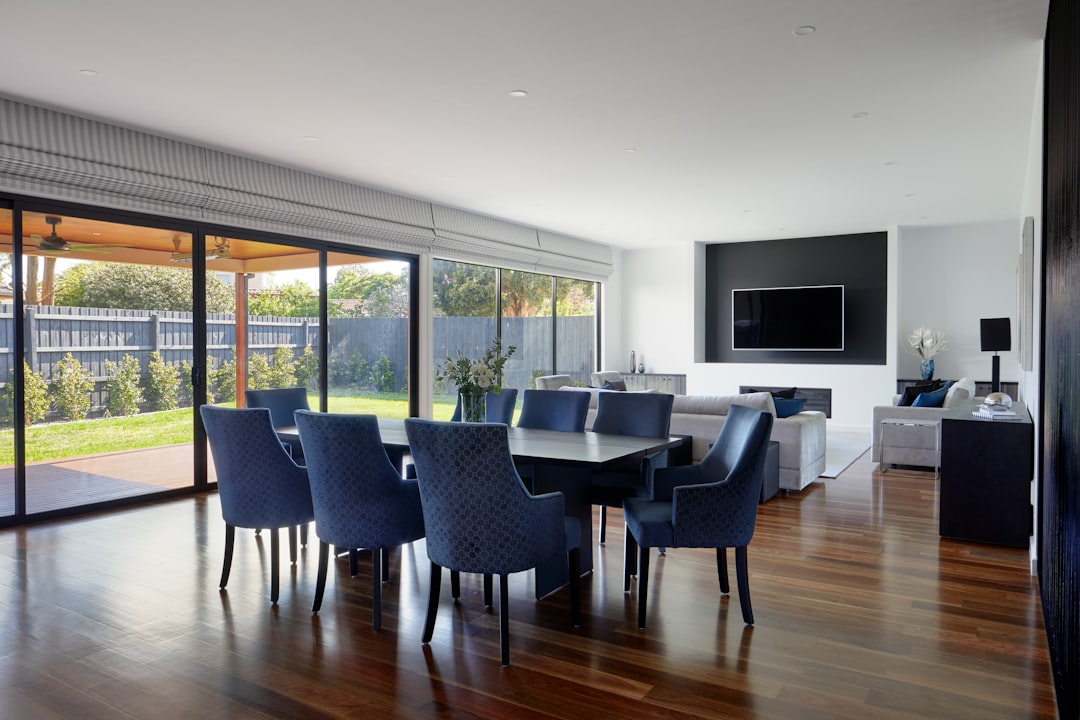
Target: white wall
950,278
946,277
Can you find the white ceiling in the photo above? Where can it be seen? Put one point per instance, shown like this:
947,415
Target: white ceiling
743,130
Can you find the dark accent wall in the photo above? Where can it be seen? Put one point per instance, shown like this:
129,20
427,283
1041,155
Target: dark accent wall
1059,466
858,262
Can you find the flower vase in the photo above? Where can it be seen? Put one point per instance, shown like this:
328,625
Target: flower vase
927,369
473,407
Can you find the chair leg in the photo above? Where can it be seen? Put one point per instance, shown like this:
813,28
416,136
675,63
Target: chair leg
642,585
603,524
230,542
721,570
744,585
354,562
630,552
385,554
292,544
574,563
303,534
275,560
487,590
455,584
320,580
433,602
376,589
504,619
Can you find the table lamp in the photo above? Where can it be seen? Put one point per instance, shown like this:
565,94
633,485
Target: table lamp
995,335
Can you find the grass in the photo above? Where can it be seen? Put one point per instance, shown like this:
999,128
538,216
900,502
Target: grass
65,440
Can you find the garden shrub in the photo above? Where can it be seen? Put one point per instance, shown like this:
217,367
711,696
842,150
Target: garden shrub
382,376
35,395
163,383
122,384
72,385
358,374
282,369
221,383
307,368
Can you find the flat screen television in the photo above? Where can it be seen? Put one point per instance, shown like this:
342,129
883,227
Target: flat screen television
788,318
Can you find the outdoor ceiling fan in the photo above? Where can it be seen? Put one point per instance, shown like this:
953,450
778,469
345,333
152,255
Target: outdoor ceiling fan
55,243
220,249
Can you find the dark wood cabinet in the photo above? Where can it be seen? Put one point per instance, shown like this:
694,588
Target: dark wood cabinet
986,474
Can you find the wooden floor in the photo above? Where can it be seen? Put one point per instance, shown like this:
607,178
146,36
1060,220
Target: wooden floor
862,611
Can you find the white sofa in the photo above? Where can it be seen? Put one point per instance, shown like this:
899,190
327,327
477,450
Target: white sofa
917,445
801,437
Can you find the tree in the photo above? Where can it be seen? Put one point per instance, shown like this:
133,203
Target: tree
137,287
463,289
294,300
371,294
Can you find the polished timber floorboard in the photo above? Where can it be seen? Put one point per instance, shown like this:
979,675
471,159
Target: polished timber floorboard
861,611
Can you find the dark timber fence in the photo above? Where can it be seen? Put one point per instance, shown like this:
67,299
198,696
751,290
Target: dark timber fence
94,335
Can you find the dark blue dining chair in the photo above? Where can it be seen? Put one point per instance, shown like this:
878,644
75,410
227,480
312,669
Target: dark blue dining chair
359,498
710,505
480,518
563,410
498,406
259,485
281,402
639,415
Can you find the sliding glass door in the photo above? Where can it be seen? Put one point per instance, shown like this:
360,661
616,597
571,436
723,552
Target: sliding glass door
107,326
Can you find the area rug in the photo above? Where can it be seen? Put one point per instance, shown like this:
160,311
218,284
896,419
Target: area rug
842,449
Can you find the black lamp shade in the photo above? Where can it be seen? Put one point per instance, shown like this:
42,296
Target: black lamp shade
995,334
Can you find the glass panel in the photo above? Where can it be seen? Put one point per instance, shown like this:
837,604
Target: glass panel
575,328
464,298
7,372
527,325
262,317
368,309
108,328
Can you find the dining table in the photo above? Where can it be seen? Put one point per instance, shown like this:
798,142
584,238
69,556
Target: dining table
558,462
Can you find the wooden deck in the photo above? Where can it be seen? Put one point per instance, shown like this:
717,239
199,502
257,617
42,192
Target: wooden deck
99,478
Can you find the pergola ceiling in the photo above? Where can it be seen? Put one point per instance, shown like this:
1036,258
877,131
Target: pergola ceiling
117,242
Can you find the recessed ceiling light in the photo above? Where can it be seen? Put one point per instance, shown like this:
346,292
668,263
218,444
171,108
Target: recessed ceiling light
518,93
699,187
860,115
910,195
446,177
310,138
630,150
924,217
87,72
891,162
803,30
746,211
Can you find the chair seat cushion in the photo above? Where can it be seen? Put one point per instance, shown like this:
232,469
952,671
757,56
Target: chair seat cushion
649,522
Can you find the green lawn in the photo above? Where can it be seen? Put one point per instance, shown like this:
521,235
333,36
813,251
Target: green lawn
56,441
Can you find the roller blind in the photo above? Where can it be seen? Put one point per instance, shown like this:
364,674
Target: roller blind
50,154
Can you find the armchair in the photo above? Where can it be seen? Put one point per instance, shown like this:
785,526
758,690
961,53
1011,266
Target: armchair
281,402
640,415
713,504
359,499
554,410
480,518
259,485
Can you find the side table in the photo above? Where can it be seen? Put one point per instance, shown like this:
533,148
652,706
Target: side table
933,425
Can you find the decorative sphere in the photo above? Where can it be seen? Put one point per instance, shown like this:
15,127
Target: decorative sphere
998,401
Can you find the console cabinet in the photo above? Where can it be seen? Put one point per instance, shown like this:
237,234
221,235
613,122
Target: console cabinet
986,474
661,382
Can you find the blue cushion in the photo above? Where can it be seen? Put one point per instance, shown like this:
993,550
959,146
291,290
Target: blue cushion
931,399
786,407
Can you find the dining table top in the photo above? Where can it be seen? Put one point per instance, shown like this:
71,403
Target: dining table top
542,446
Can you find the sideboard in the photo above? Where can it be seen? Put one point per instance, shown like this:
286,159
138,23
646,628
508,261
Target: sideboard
661,382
